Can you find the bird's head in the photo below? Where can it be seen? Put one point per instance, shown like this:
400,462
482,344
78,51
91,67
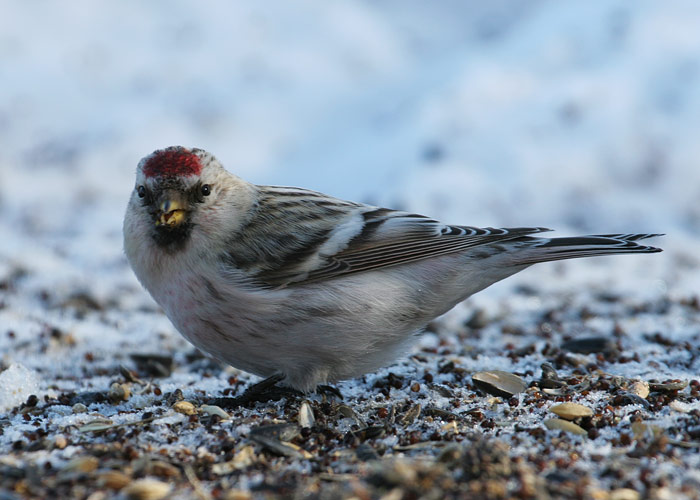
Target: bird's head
180,190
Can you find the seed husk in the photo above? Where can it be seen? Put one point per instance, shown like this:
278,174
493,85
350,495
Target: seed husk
564,425
184,407
147,489
499,383
571,411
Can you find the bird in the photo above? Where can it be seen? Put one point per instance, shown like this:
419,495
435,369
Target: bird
305,288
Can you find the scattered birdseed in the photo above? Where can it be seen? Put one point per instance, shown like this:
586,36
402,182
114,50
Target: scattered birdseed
571,411
146,489
639,388
451,438
563,425
212,410
185,407
499,383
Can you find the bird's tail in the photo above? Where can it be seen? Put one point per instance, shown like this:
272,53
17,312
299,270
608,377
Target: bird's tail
548,249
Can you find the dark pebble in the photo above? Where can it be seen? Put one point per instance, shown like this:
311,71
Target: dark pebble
478,319
89,397
283,432
590,345
365,452
154,365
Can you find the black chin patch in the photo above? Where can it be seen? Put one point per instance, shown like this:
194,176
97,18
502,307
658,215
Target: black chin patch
172,238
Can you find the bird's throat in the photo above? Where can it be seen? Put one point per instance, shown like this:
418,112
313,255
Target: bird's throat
172,237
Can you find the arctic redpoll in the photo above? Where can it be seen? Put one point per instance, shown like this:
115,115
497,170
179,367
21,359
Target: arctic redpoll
291,282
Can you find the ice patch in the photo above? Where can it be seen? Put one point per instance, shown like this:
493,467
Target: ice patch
17,383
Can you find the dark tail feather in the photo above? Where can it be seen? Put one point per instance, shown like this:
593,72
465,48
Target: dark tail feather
548,249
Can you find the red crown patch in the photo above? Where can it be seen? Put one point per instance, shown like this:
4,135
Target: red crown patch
172,162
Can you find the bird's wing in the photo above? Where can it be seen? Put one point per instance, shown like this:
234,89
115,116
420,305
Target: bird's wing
369,238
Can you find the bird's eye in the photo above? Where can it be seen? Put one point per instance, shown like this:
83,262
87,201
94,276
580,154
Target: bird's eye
141,191
206,190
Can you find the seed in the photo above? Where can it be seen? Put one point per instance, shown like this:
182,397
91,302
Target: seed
147,489
499,383
564,425
114,480
184,407
82,464
212,410
571,411
306,415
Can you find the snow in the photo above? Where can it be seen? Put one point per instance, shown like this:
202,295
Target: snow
17,383
582,117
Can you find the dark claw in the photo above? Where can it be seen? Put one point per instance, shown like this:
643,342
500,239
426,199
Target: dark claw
265,384
262,392
267,390
329,390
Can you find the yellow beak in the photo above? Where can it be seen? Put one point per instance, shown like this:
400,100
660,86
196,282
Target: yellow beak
172,213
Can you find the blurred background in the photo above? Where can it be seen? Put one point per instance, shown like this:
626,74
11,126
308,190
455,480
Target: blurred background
580,116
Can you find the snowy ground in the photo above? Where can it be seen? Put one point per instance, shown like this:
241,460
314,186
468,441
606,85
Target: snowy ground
580,117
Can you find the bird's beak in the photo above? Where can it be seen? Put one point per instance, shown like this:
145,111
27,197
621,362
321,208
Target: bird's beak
172,212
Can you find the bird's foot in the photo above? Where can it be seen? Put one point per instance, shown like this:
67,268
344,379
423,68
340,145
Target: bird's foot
265,390
329,390
268,390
